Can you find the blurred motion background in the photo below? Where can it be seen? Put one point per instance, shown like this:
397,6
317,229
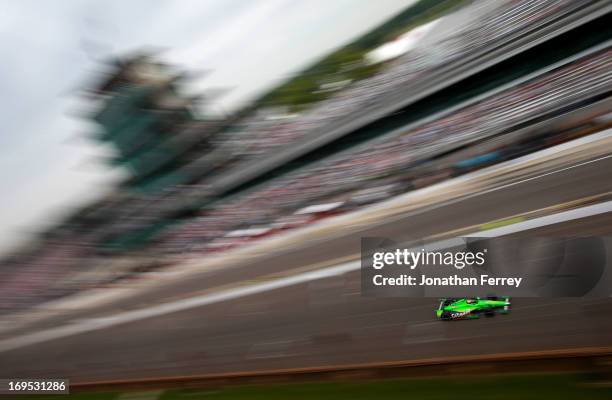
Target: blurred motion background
186,185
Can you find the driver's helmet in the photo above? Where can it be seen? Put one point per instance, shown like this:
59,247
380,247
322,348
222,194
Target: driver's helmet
470,301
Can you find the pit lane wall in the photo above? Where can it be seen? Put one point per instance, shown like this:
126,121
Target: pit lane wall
593,360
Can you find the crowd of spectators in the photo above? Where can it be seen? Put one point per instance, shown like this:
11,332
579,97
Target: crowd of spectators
488,24
533,100
42,274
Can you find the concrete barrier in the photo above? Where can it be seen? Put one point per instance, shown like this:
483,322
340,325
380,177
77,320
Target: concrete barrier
592,360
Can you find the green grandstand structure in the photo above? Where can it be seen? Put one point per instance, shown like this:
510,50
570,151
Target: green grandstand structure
143,114
149,123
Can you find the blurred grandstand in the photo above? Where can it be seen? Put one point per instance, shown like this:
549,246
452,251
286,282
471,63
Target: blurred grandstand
484,83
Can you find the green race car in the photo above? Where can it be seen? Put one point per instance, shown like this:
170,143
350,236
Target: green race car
472,307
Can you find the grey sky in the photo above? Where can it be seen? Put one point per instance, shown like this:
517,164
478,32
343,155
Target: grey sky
49,49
